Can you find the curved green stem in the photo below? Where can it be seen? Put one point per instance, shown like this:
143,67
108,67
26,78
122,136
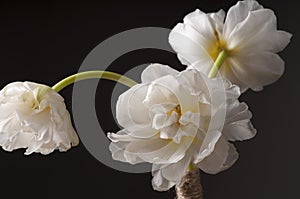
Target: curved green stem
93,75
218,63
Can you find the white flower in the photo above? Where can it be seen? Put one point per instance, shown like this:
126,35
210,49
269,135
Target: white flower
169,121
34,116
248,35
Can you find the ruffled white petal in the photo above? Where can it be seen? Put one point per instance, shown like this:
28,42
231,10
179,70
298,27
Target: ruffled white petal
130,111
187,101
238,13
158,151
238,126
155,71
206,147
159,183
166,176
222,158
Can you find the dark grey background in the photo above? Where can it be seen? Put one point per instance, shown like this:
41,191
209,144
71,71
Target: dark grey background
47,41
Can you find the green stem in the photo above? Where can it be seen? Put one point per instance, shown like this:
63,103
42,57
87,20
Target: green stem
93,75
218,63
191,167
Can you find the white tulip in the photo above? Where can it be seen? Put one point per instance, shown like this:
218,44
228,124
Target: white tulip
33,116
168,121
248,36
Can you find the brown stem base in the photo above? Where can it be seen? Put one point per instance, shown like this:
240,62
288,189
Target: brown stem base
190,187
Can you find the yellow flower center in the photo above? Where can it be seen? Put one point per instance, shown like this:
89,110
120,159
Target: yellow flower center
177,109
217,47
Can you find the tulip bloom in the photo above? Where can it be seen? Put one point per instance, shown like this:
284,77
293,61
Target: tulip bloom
170,121
247,42
34,116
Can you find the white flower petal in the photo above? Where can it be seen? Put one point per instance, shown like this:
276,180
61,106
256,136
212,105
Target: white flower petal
222,158
238,125
203,25
246,37
166,176
218,21
197,83
159,151
128,115
207,146
280,39
118,146
159,183
190,45
130,111
159,93
227,72
169,132
163,115
191,118
257,70
187,101
155,71
174,172
238,13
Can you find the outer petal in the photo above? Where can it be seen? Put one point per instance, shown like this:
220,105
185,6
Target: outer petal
65,136
153,150
222,158
9,130
159,183
227,72
155,71
238,13
11,90
131,111
207,146
238,125
246,37
257,70
118,146
202,23
166,176
191,46
159,151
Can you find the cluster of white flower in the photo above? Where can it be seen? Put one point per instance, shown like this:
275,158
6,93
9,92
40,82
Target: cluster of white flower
169,119
172,119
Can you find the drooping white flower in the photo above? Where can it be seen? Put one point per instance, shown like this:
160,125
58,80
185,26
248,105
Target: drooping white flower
248,35
172,119
34,116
